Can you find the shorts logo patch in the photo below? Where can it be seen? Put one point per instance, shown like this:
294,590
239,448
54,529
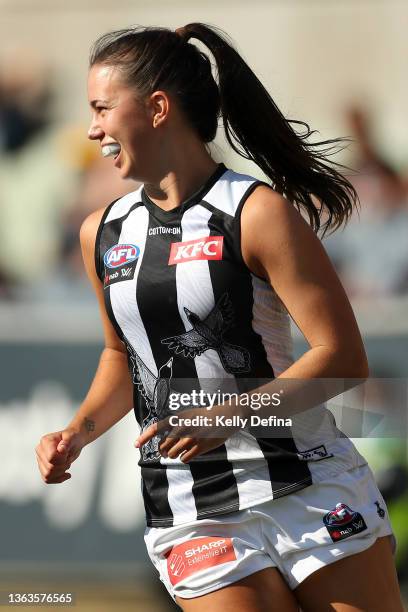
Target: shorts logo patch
198,554
380,511
315,454
343,522
209,247
121,254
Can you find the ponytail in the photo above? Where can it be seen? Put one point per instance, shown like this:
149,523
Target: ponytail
158,58
257,130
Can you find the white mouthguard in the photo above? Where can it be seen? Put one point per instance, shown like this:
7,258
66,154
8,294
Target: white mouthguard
111,150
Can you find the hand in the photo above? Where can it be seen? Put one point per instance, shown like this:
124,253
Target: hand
55,453
186,448
186,441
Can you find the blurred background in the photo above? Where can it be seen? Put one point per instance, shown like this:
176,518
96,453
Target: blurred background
341,67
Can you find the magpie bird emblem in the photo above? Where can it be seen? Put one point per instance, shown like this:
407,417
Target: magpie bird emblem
208,334
155,390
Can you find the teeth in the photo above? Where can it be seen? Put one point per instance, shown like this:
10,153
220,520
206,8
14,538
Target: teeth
111,150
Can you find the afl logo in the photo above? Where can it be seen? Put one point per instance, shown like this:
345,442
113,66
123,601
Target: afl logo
121,254
340,515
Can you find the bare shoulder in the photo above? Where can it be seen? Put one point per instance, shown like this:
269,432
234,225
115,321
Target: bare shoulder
90,225
87,235
272,229
267,205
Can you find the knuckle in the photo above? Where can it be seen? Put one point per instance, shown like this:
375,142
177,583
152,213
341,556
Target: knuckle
45,439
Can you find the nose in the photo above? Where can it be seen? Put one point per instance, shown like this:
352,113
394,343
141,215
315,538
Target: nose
95,132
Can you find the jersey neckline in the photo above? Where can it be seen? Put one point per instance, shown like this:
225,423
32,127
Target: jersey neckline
190,201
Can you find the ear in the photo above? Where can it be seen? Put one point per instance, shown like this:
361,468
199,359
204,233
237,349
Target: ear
160,107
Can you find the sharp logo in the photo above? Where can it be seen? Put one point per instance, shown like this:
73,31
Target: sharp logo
209,247
121,254
204,548
196,555
176,565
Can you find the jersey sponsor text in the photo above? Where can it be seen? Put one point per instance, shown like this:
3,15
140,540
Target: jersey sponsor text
196,555
209,247
156,231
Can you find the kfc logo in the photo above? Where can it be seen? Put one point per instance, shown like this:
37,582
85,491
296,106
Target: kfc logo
209,247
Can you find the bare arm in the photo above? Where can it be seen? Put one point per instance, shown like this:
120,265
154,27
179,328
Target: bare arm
110,396
278,245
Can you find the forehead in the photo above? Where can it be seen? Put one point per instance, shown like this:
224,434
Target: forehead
103,81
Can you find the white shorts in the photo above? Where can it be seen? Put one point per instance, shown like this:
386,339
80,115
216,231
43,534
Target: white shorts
299,534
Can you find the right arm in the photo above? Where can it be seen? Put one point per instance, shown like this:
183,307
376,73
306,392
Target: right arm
110,396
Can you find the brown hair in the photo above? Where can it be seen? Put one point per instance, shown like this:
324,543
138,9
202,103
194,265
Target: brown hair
158,58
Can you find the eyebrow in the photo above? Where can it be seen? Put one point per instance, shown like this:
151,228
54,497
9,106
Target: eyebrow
93,103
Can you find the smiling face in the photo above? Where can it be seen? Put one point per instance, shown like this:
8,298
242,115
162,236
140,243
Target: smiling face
120,117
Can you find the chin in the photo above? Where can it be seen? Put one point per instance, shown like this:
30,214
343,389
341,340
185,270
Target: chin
125,172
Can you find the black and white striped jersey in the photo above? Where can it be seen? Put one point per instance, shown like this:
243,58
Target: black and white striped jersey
187,308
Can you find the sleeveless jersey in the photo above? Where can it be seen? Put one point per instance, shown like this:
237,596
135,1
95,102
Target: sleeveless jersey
186,307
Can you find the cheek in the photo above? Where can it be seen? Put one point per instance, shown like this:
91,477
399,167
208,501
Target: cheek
141,139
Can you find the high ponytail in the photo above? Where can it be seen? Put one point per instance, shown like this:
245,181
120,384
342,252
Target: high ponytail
257,130
158,58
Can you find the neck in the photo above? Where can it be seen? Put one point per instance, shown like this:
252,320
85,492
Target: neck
184,173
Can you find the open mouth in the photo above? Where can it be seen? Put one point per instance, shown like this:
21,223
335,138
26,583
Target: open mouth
111,150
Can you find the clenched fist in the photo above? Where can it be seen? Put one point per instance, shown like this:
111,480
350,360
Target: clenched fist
55,453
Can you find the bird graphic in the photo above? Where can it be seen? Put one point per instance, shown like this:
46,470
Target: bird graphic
208,334
155,390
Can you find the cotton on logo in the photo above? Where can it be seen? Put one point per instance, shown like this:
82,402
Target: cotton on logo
209,247
176,565
121,254
198,554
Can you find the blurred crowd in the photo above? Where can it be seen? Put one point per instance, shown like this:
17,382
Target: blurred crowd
371,253
51,177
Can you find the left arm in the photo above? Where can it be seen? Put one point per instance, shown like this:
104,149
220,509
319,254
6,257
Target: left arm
279,245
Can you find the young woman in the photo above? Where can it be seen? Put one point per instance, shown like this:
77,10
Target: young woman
196,274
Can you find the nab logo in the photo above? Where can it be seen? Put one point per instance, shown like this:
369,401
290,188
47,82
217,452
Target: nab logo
207,248
343,522
121,254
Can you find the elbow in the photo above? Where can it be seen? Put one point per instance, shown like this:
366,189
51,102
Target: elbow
355,364
361,365
362,371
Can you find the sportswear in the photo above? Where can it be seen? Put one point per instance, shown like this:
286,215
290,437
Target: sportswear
298,534
190,312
